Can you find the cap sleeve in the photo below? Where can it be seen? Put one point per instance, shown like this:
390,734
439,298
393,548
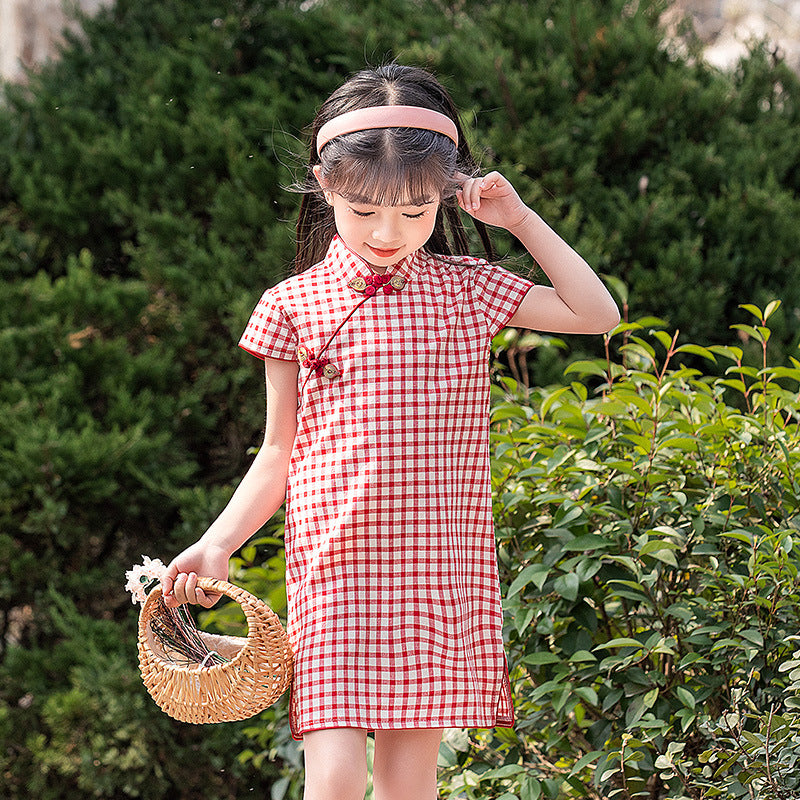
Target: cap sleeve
498,292
269,333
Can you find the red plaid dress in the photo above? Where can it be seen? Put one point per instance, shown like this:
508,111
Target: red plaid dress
395,614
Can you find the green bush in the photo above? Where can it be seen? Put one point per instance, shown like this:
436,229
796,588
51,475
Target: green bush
84,725
755,751
678,179
647,533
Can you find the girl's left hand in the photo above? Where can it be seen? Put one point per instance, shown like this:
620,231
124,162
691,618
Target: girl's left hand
492,200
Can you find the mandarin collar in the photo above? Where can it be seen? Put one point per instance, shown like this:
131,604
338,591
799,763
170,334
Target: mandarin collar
347,265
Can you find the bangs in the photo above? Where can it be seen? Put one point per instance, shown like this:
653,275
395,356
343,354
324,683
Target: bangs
390,183
408,168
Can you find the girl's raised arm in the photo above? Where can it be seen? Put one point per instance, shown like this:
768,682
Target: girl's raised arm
258,496
578,301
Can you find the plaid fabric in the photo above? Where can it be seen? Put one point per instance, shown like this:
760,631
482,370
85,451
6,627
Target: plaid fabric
395,614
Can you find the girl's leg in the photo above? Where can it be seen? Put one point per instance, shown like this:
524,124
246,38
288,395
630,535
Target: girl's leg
405,764
336,764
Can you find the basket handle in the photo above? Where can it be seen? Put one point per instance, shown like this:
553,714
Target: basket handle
261,619
258,614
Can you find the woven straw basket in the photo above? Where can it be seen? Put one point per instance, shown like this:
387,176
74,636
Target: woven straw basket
258,673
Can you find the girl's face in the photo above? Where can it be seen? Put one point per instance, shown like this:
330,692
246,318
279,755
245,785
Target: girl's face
382,235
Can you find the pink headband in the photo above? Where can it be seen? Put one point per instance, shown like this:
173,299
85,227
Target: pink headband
364,119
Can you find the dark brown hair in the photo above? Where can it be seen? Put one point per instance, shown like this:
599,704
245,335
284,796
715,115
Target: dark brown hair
387,166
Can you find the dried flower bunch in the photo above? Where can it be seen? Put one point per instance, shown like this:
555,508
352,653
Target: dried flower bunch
140,576
174,628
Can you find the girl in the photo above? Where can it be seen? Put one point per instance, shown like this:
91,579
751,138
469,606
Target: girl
376,357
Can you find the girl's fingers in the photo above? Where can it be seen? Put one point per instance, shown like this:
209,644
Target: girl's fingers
191,587
206,600
178,595
168,581
183,590
470,194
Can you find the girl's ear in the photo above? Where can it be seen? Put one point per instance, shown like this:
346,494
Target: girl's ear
317,169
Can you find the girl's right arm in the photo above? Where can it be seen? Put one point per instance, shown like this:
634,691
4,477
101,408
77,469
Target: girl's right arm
259,495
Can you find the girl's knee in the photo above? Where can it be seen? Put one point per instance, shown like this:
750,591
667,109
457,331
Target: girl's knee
335,782
405,764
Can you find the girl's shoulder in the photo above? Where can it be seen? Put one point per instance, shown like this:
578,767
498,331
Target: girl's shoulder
468,268
454,263
299,284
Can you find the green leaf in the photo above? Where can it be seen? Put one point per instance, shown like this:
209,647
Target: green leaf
740,535
623,641
551,399
530,789
533,573
588,694
663,338
585,760
657,544
588,541
685,696
732,353
582,655
538,659
749,330
567,586
754,636
618,286
660,549
696,350
650,698
754,310
596,367
643,350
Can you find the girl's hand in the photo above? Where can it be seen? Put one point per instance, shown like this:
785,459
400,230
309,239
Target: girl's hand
180,580
492,200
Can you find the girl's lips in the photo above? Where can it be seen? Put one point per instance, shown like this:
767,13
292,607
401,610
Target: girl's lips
383,253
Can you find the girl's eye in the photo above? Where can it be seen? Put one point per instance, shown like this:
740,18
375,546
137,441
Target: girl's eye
370,213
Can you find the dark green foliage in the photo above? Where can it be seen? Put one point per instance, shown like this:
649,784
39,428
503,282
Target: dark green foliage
677,179
85,727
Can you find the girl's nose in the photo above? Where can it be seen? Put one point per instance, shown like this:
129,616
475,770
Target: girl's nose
386,231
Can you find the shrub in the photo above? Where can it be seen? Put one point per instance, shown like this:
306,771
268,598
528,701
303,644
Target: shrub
85,727
755,751
646,541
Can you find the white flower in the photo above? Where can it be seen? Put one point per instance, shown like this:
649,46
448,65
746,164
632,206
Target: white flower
141,575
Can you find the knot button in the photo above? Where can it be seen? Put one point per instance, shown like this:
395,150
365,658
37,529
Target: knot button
397,282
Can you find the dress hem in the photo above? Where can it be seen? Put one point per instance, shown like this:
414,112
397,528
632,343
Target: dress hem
321,726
